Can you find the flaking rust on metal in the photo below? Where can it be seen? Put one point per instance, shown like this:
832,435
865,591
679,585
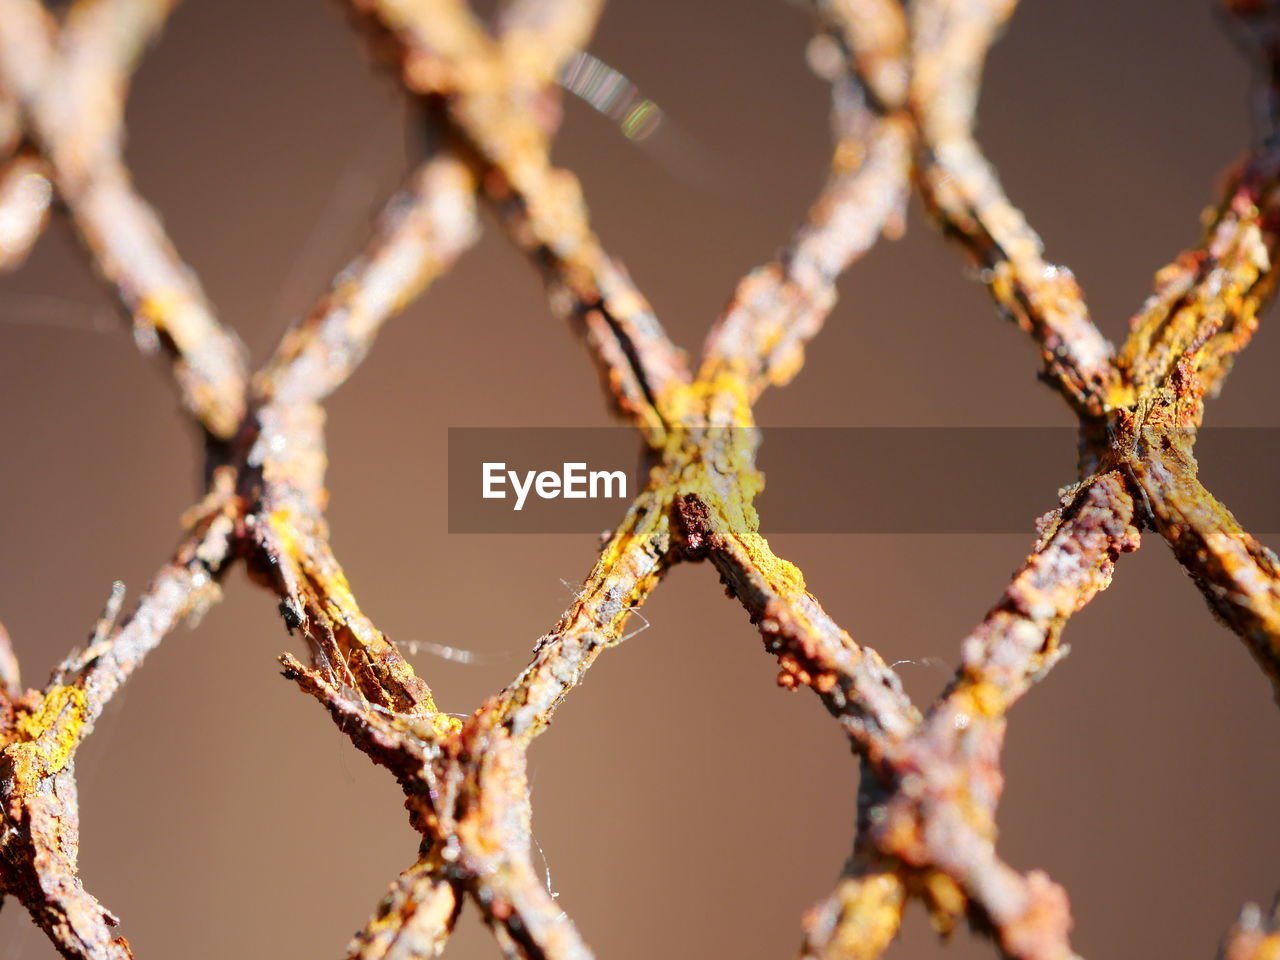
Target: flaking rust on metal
904,87
696,536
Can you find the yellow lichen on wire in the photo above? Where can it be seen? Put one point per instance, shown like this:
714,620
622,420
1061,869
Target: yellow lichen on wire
44,741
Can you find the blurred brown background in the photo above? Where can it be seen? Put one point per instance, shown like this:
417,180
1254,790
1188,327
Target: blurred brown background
687,807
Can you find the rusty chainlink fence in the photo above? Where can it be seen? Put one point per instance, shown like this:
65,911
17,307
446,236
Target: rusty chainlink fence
904,86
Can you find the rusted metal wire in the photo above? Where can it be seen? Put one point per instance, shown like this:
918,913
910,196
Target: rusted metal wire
904,86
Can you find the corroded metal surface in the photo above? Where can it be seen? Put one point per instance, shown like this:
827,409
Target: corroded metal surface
904,86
